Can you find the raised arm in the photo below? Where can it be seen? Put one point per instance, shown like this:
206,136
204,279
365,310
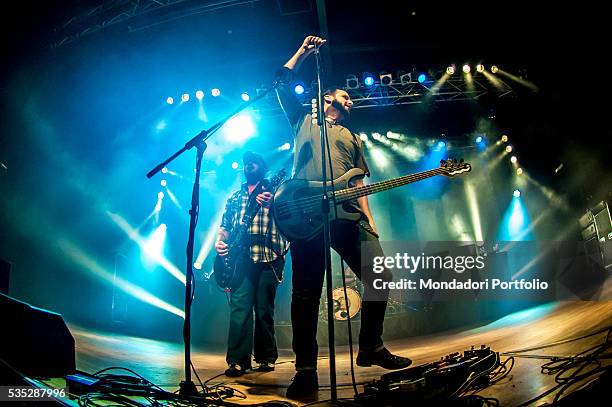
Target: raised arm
307,48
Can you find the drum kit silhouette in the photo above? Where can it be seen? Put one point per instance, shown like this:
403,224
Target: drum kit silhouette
354,292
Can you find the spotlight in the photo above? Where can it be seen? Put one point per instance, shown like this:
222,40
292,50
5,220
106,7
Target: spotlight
368,79
504,139
165,170
215,92
450,69
422,77
185,97
385,78
519,171
170,100
479,139
441,144
245,96
163,183
199,95
160,195
285,147
405,78
509,149
352,82
513,159
516,193
235,165
494,69
197,265
299,89
480,68
466,68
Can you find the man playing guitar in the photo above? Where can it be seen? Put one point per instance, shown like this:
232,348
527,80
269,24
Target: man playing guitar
259,271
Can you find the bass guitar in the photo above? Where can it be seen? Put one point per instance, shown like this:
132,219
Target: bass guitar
297,202
226,267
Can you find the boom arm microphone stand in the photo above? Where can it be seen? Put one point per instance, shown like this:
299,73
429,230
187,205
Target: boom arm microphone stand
187,387
325,208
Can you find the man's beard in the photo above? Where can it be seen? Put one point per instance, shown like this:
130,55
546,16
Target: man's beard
344,112
253,177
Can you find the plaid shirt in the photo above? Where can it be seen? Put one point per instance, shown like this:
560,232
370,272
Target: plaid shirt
267,244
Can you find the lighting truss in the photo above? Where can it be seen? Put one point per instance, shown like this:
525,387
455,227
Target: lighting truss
140,14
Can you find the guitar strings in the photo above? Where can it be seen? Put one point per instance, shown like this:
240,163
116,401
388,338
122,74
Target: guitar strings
350,193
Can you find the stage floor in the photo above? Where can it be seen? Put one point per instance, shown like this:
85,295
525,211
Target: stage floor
162,362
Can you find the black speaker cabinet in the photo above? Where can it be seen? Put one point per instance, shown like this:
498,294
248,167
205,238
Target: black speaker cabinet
5,271
36,342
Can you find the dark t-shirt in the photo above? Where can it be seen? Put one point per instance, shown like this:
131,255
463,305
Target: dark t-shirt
345,146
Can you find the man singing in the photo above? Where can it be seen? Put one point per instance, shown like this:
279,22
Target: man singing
346,236
261,268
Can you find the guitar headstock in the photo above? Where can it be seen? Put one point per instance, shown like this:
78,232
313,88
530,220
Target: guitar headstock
451,168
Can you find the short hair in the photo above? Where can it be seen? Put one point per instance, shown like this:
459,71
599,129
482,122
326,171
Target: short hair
332,90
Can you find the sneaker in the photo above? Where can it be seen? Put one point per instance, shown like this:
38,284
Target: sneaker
265,367
305,385
382,358
234,370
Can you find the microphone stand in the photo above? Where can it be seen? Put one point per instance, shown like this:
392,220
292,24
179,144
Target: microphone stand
187,387
325,208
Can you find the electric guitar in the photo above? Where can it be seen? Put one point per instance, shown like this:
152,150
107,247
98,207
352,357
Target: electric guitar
226,267
297,202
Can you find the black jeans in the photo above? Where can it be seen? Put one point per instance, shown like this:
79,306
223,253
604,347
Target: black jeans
308,273
255,291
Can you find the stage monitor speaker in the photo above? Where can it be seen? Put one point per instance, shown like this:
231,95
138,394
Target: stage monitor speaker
35,342
5,271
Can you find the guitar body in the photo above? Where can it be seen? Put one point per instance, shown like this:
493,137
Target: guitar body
297,206
226,268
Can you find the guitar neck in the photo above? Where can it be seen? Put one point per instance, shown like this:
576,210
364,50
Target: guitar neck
358,192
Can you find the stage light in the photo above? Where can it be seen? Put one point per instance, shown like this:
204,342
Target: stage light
405,78
163,183
285,147
245,96
239,128
352,82
165,170
479,139
504,139
509,149
299,89
363,136
494,69
422,77
450,69
160,195
368,79
185,97
516,193
161,125
170,100
215,92
513,159
441,144
197,265
466,68
199,95
385,78
235,165
153,247
519,171
480,68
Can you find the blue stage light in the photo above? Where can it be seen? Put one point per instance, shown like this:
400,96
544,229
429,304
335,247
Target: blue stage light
215,92
299,89
235,165
368,79
441,144
185,97
516,193
170,100
245,96
479,139
422,78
